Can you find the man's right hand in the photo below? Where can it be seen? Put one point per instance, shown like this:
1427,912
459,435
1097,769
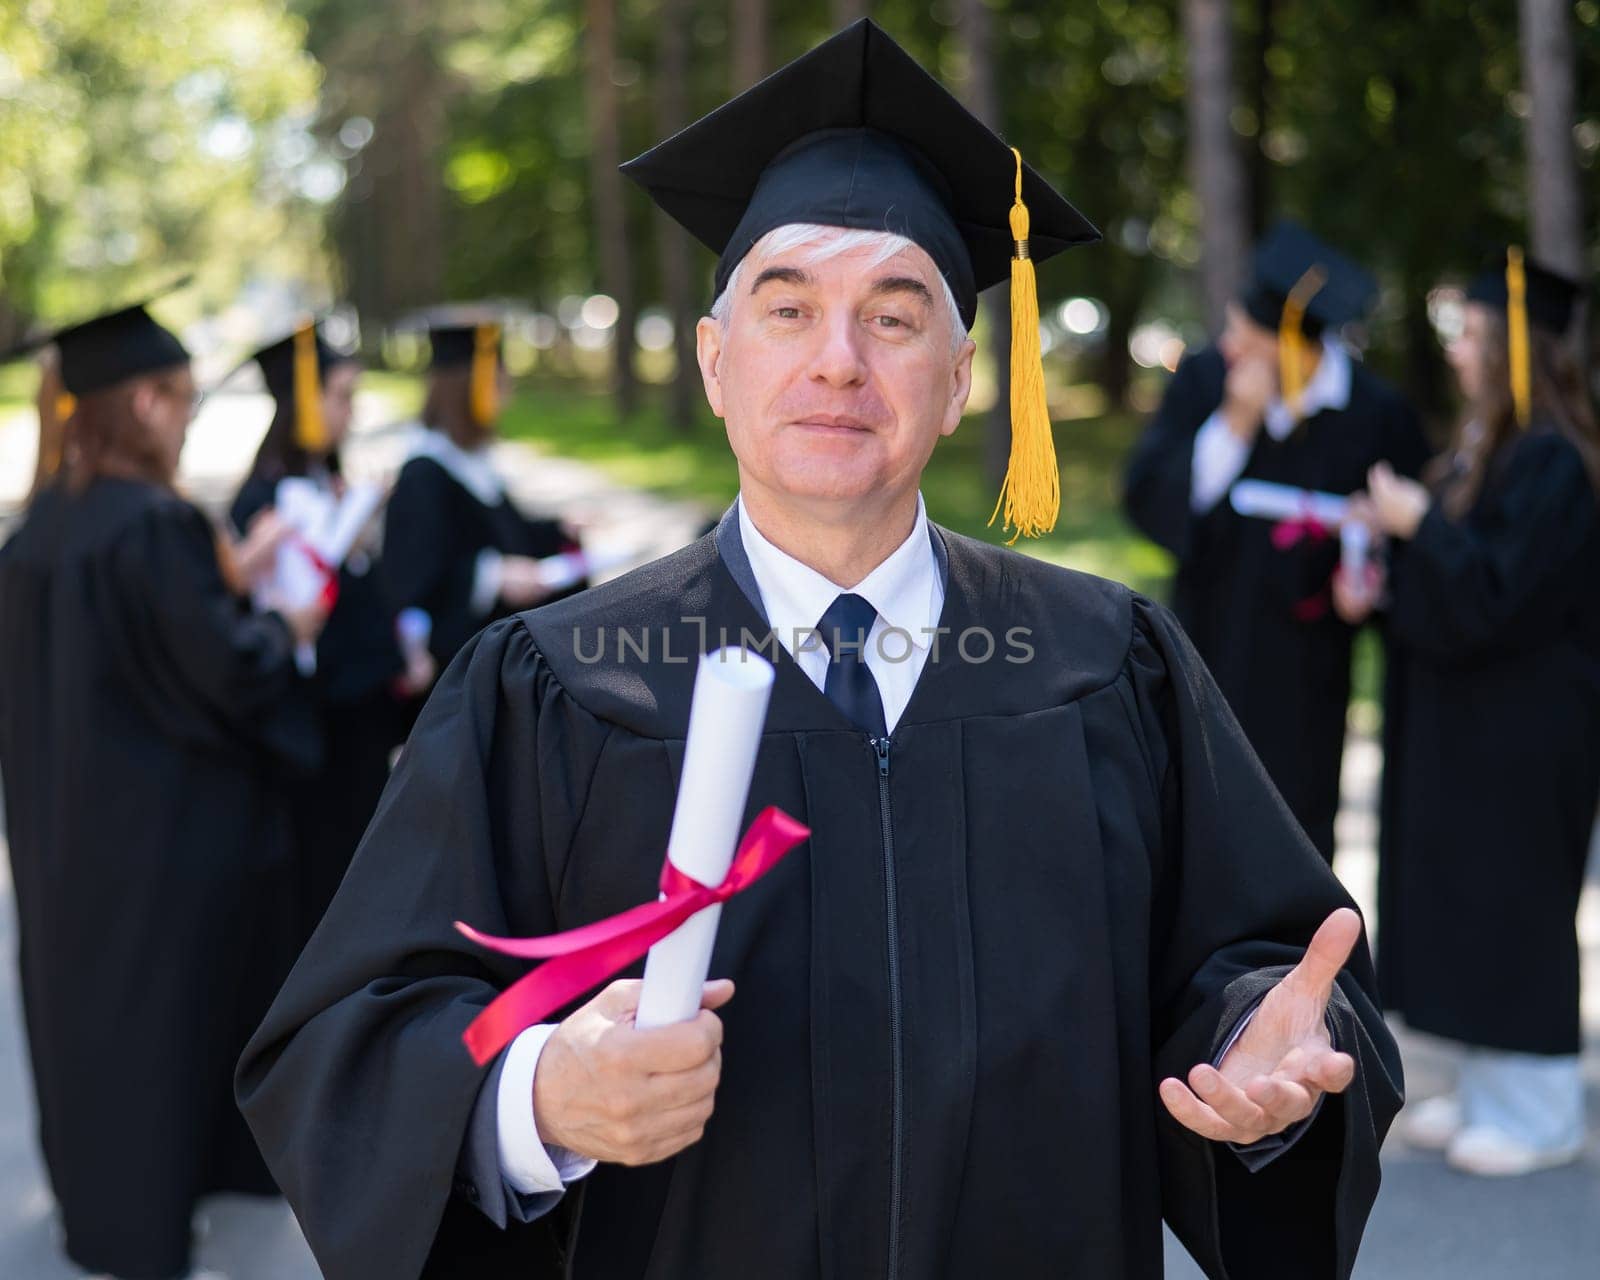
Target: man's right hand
609,1091
1249,389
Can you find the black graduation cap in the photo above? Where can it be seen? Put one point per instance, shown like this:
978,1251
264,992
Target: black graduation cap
856,134
112,347
1549,296
1291,266
471,335
277,360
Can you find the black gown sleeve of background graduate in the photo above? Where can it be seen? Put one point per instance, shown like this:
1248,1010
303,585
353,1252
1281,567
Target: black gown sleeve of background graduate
1302,1215
1159,473
388,1004
430,552
205,669
1466,590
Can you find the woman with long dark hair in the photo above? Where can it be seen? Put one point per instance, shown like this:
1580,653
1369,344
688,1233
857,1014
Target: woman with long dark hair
1493,740
456,546
148,721
364,677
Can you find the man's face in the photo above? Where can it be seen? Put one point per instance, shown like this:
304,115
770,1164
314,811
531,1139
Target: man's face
836,379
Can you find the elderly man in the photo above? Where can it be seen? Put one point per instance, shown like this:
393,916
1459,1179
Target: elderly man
1056,961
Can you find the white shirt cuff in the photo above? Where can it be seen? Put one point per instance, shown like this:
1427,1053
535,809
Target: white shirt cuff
1219,458
527,1165
486,578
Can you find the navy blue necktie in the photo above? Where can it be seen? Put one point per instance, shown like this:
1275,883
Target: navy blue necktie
849,685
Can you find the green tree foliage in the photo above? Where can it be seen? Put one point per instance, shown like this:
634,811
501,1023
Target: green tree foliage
137,135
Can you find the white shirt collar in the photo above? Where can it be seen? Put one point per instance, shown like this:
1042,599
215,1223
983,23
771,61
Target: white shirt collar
904,589
474,469
1328,388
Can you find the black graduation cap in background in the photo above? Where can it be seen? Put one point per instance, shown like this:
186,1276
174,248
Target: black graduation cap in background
1549,296
1292,265
472,335
855,134
277,360
1532,297
112,347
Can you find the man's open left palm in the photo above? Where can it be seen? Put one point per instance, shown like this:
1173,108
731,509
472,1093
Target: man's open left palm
1273,1075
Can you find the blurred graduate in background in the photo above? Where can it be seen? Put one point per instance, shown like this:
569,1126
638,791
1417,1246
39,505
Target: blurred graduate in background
1278,398
148,719
367,664
1493,724
456,547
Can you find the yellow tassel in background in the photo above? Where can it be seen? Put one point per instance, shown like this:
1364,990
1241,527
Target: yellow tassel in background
485,385
1292,338
309,432
1517,335
1031,493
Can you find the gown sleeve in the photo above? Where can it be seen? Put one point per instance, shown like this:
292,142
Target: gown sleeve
425,565
357,1085
212,673
1240,891
1461,589
256,493
1159,472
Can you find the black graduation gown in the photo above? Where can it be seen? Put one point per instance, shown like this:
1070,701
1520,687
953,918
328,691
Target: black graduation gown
362,721
1068,877
145,721
1262,617
433,533
1493,765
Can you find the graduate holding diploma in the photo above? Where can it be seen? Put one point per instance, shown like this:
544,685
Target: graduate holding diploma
1055,962
1278,398
363,677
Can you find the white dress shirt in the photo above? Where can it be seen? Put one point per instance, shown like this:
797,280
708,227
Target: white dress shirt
1220,456
908,594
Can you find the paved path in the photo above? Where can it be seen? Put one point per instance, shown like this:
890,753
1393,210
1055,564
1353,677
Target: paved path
1429,1222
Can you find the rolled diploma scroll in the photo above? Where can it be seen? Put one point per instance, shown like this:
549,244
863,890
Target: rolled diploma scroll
1285,502
729,706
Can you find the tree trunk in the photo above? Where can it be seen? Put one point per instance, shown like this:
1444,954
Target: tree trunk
749,41
1215,171
983,97
672,54
1555,202
847,11
1259,174
615,267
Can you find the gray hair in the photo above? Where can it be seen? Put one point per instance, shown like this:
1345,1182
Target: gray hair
822,243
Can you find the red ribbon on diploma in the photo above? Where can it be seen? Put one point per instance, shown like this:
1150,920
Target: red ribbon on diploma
1288,533
585,957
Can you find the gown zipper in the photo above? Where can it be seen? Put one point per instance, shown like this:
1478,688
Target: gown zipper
880,747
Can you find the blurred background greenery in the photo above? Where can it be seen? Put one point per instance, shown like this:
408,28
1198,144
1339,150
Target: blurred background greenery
388,154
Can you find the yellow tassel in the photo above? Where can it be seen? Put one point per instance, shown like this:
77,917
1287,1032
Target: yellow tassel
1517,335
66,406
309,431
485,386
1031,493
1292,338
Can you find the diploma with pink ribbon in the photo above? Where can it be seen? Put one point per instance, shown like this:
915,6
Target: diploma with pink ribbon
707,863
1304,514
